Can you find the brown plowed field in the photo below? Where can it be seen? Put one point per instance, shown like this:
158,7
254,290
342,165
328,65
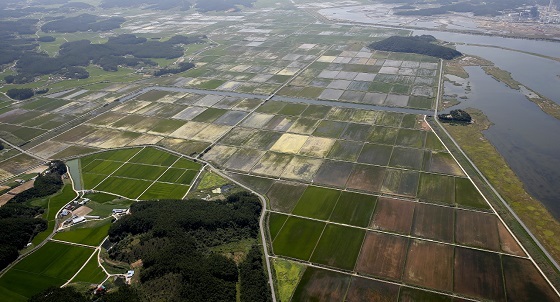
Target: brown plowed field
382,255
321,285
429,265
477,229
366,178
478,274
433,222
524,282
393,215
364,290
507,242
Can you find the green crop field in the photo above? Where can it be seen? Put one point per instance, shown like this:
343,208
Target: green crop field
129,188
317,203
90,233
467,195
151,156
51,265
139,171
297,238
275,223
91,273
160,190
354,209
55,203
339,246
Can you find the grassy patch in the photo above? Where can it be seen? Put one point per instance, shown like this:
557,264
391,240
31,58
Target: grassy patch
287,275
90,233
211,180
165,191
91,273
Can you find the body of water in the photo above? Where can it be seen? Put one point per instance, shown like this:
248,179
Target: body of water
524,135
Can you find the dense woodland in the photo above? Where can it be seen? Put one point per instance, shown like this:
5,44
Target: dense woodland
423,45
18,93
84,22
123,50
18,226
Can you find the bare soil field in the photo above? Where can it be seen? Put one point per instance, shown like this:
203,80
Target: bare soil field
302,168
382,255
272,164
429,265
321,285
366,178
524,282
508,243
477,229
365,290
478,274
433,222
393,215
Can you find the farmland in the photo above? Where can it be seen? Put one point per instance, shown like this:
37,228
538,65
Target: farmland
51,265
139,173
363,200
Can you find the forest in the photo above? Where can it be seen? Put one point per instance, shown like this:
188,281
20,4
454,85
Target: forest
122,50
173,238
18,93
18,226
83,22
422,45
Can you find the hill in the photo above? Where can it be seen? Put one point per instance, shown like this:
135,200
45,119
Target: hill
422,45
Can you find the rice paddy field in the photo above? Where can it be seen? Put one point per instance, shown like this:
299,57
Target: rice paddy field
364,202
138,173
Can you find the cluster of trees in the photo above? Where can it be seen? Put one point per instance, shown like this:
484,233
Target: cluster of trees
478,8
124,293
183,66
45,184
253,285
19,93
84,22
18,226
457,115
173,238
416,44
